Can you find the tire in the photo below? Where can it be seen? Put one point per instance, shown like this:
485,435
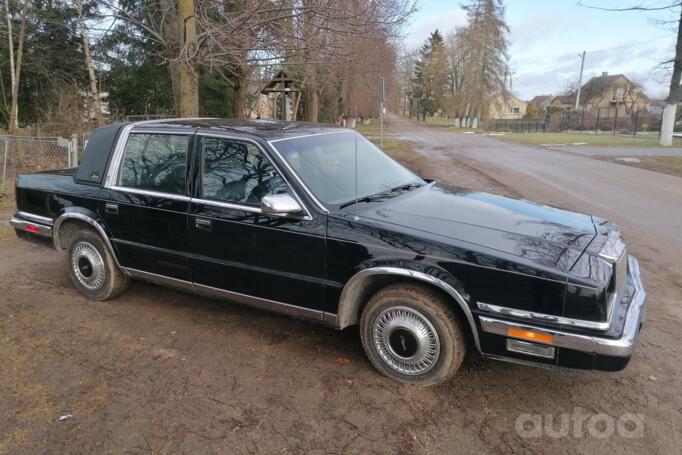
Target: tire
410,335
92,268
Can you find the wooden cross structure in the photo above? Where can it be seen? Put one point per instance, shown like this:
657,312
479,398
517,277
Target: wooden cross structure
283,85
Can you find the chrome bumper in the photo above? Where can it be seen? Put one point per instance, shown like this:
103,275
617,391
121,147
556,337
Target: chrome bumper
33,224
618,347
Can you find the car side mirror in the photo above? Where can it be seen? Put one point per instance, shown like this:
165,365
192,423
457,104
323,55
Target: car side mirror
279,204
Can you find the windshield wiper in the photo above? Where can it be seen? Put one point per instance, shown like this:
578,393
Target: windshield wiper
384,194
370,198
406,187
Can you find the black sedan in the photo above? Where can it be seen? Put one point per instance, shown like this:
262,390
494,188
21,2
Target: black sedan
318,223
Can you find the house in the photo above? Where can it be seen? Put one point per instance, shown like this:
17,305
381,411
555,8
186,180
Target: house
563,102
506,106
542,102
611,94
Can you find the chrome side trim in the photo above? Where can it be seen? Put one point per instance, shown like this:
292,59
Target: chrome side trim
310,135
30,226
349,304
260,303
227,205
175,197
249,300
36,218
541,317
79,216
159,279
620,347
117,154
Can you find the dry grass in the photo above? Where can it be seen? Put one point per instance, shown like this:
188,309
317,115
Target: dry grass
602,140
397,148
665,164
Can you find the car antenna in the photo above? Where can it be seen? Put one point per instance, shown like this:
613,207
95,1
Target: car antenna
356,217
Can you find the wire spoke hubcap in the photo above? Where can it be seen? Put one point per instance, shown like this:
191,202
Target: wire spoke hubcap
406,340
88,266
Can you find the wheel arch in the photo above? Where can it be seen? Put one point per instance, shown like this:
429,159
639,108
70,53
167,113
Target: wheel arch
361,286
84,216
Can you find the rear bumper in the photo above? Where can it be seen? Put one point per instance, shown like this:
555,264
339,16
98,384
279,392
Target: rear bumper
575,350
32,226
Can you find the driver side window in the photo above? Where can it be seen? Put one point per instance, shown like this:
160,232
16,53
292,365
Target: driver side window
237,172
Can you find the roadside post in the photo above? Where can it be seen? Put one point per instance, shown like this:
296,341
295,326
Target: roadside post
4,163
381,115
74,150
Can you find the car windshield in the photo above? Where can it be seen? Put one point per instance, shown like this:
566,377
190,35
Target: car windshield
327,165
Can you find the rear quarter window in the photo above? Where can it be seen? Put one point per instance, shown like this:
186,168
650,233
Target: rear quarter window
155,162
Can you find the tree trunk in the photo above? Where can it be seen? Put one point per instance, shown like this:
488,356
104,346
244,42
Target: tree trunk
97,102
186,74
15,67
239,105
668,124
668,121
312,96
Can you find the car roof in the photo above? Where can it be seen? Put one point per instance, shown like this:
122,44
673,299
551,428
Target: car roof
266,129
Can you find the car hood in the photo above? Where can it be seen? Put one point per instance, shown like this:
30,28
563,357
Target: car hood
522,228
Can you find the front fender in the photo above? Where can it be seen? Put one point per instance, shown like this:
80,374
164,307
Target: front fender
355,292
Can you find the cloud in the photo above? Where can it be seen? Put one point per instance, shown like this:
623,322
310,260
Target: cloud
445,23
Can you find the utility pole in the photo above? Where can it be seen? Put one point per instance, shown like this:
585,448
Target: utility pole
580,79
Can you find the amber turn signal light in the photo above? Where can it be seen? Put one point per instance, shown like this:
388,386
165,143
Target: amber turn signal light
530,335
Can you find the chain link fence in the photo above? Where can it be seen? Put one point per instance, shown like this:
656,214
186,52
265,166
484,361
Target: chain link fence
21,154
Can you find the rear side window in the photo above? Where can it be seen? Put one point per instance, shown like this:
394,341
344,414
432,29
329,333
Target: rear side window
237,172
155,162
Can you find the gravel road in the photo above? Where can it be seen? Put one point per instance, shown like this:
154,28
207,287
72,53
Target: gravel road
160,371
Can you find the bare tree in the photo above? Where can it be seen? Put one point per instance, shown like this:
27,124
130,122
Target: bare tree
94,92
15,64
675,90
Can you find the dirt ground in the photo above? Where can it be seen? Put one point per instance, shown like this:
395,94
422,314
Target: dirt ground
160,371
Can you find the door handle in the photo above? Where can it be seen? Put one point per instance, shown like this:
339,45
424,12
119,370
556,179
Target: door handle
111,208
201,223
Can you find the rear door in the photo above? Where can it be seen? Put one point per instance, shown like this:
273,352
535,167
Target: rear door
145,207
234,248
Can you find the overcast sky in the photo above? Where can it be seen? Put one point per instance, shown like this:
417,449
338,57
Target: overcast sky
547,36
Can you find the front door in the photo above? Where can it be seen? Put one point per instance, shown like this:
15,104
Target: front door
236,248
146,208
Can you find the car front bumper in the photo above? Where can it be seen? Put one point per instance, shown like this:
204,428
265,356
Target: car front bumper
571,349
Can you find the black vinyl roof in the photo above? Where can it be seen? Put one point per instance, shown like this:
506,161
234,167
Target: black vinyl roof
266,129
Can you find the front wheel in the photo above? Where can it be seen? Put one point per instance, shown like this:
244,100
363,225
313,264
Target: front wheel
410,335
92,268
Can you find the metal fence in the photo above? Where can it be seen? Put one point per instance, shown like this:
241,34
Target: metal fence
30,154
520,125
603,120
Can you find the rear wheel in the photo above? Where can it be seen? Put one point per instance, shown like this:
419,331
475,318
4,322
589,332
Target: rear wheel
92,268
410,335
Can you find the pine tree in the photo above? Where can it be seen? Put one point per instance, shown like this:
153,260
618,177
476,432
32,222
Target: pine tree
431,74
484,45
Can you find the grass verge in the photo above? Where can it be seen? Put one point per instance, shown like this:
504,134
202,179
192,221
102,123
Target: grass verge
665,164
578,139
397,149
